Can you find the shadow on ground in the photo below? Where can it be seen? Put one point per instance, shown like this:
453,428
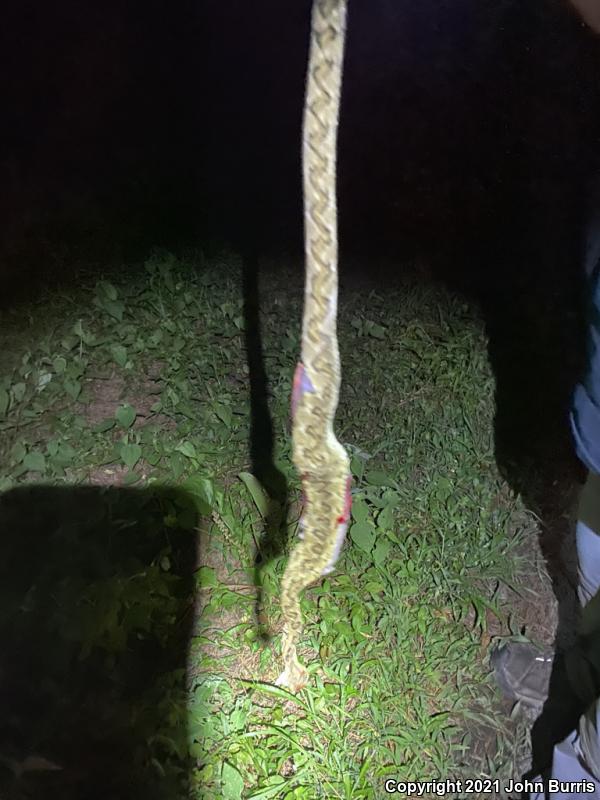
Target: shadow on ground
95,616
262,438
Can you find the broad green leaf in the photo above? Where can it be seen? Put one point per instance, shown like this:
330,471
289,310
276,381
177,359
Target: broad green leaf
107,289
363,535
69,342
153,457
223,412
203,492
119,354
115,308
59,364
385,518
206,576
63,455
257,492
343,628
130,454
177,465
187,449
374,587
232,782
43,380
357,466
72,388
238,717
18,391
78,330
382,548
376,477
35,461
375,330
125,416
104,425
360,511
18,452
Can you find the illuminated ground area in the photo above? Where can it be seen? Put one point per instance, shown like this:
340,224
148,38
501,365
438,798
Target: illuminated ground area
149,391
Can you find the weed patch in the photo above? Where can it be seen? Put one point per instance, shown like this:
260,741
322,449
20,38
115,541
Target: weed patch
141,388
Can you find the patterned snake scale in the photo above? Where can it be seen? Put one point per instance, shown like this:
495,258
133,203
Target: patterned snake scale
320,459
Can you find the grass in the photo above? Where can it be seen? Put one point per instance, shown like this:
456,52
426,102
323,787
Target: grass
142,383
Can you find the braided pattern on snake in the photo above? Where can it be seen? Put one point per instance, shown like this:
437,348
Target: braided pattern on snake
320,459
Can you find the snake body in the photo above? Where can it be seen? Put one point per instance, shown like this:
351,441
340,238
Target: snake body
320,459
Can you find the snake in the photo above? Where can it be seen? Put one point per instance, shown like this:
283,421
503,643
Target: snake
320,459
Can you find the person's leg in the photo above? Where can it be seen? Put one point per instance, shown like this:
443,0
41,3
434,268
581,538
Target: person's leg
523,671
588,546
576,760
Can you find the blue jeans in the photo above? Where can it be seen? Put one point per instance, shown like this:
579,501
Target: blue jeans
585,413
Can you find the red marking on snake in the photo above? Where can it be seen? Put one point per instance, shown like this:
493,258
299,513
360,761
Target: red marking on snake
347,503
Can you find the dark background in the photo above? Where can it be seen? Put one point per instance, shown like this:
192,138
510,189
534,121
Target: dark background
468,127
